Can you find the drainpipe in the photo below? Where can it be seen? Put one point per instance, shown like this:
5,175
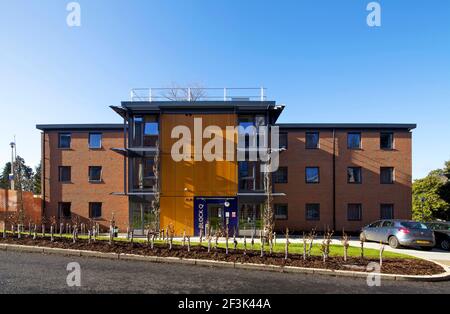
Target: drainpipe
43,175
334,179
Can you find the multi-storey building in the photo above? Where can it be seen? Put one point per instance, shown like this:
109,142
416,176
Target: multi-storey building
337,176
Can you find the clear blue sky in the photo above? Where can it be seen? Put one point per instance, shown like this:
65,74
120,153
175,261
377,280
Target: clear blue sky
318,57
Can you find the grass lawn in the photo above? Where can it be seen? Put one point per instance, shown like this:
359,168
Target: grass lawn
294,248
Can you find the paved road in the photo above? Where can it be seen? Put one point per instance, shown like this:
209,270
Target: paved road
36,273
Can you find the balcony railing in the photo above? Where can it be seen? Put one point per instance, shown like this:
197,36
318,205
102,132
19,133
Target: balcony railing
198,94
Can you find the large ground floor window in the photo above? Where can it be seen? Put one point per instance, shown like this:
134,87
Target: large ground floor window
142,217
250,218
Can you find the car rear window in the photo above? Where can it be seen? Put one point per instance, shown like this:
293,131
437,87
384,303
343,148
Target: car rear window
413,225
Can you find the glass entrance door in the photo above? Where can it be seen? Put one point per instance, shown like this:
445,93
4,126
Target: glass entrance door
216,217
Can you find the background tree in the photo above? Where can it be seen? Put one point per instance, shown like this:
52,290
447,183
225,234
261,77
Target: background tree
444,190
37,179
4,177
428,203
24,176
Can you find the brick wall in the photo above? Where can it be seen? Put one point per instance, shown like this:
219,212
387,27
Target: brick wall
80,192
371,194
32,205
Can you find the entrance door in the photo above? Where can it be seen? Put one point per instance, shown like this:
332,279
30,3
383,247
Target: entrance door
216,217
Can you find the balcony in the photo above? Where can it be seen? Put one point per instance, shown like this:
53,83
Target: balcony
192,94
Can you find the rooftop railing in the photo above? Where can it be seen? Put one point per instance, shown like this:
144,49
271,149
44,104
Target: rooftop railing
198,94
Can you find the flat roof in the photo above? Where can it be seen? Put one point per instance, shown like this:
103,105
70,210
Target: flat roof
234,106
366,126
80,127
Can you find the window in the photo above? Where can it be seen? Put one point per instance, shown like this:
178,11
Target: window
387,175
313,212
281,211
387,140
65,174
283,140
354,175
281,175
250,133
250,176
388,224
250,217
64,210
354,212
95,174
312,175
95,140
312,140
143,174
387,211
354,140
95,210
145,131
64,140
375,224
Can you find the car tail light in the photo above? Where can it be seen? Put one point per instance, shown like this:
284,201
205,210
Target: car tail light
404,230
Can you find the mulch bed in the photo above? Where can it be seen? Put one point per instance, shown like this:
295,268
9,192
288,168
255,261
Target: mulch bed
390,266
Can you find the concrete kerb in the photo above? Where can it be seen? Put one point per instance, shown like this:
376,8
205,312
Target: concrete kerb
212,263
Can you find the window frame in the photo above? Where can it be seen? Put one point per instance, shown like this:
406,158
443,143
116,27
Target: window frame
287,211
307,218
392,209
276,176
392,175
90,143
360,209
60,168
392,141
360,175
286,146
69,135
360,140
306,140
91,216
60,211
318,175
89,174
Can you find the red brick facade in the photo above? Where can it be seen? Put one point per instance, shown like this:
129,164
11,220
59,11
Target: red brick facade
370,193
79,191
333,193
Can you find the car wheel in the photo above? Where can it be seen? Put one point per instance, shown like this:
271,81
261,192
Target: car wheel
393,242
445,245
362,237
426,248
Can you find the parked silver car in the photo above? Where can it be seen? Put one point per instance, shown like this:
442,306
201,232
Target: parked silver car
399,233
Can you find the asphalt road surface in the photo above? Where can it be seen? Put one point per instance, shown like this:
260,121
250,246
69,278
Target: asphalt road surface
36,273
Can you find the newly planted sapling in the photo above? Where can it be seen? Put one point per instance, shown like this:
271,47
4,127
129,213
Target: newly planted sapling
189,243
35,232
235,242
362,249
382,248
286,255
245,245
171,231
345,244
311,237
305,244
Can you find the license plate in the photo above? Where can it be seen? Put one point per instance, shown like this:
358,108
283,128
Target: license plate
423,242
